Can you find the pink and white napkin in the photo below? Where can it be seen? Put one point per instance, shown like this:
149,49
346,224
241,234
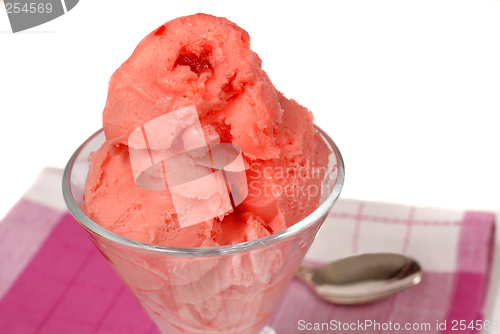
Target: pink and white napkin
53,279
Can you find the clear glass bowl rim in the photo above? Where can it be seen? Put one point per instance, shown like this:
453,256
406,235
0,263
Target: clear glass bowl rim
202,251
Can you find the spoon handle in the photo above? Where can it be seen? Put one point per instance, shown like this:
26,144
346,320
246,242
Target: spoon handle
305,274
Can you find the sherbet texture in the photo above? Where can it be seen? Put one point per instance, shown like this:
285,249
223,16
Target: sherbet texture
206,62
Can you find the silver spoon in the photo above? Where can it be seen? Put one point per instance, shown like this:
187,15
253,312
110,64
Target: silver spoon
362,278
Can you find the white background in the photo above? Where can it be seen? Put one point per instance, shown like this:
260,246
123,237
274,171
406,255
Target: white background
409,90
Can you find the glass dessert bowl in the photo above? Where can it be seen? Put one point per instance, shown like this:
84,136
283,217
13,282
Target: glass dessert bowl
224,289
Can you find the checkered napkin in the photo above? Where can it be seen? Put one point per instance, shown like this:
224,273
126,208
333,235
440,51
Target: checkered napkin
53,279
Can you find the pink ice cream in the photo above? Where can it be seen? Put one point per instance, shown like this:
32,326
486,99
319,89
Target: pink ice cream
205,62
191,83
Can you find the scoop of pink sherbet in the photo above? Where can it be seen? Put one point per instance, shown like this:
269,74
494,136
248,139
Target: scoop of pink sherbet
197,60
205,62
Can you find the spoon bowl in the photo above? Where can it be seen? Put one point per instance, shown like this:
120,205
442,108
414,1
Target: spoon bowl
362,278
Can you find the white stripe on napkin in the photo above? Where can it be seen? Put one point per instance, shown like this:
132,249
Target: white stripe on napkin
353,227
47,190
